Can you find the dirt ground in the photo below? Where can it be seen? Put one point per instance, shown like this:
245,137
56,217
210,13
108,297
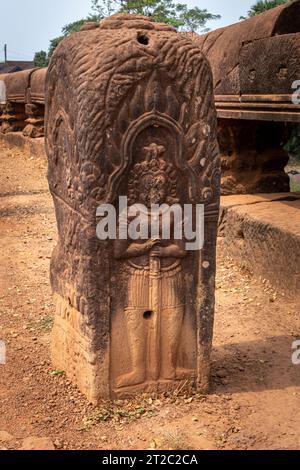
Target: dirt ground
255,399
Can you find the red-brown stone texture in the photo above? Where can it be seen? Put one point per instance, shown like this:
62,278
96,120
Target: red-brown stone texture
261,233
242,56
130,112
255,63
24,106
253,157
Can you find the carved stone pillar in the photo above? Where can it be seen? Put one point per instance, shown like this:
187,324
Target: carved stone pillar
253,156
35,107
130,112
13,117
16,87
2,107
35,120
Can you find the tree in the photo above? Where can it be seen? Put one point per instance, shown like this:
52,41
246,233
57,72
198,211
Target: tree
194,19
104,8
69,29
53,45
165,11
263,5
40,59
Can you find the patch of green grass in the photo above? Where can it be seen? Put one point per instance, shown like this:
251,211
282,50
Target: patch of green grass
124,411
43,324
128,412
172,440
56,373
295,187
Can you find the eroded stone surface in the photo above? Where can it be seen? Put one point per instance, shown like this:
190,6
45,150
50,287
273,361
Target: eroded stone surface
130,112
262,233
253,157
255,64
238,53
23,105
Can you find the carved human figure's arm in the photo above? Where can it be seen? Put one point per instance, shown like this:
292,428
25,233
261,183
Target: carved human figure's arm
171,251
123,250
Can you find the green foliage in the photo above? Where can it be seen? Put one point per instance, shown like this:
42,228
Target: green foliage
105,8
67,30
57,373
263,5
295,187
165,11
73,27
40,59
53,45
293,145
193,19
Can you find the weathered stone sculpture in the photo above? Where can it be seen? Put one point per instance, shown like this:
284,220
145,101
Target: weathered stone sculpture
130,112
35,105
253,156
13,116
24,106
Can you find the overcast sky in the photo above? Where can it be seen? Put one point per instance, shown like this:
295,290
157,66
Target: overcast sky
28,25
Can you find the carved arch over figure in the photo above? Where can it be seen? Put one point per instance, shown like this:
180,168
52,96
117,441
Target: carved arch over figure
155,119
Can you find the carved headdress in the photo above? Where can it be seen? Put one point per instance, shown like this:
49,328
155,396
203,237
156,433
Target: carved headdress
153,181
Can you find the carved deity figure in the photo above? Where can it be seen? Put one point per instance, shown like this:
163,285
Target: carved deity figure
155,303
130,112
